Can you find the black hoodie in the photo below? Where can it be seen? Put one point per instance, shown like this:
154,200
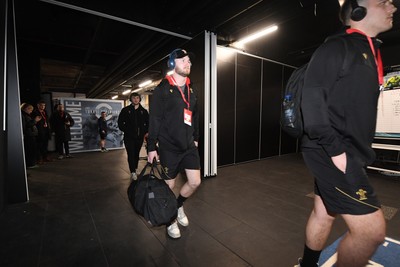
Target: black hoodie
340,114
166,119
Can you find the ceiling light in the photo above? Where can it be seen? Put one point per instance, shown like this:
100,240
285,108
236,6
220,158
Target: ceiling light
254,36
126,92
143,84
114,97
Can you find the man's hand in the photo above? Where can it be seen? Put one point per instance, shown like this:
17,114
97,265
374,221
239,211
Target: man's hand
151,156
340,162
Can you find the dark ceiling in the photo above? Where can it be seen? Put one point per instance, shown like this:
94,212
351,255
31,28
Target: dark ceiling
99,47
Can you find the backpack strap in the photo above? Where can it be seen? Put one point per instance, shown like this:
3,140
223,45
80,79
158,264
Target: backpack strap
348,57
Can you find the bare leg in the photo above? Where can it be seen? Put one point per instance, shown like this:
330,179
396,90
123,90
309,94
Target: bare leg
366,233
319,225
193,182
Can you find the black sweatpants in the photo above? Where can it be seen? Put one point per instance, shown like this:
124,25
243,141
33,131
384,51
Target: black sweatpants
133,147
42,143
61,145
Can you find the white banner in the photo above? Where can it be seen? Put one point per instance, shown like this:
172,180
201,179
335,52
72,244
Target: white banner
85,132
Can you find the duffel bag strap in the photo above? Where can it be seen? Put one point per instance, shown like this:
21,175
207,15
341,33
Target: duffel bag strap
148,164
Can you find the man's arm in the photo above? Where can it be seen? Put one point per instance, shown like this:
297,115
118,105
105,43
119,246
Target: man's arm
321,75
196,134
156,116
122,120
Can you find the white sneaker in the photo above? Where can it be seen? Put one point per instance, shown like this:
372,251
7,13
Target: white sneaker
182,218
173,230
299,261
133,176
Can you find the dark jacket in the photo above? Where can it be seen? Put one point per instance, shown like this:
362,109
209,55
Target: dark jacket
62,131
102,125
340,114
29,128
166,119
134,122
43,125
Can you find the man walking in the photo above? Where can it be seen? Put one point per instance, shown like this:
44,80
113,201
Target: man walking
134,122
174,127
339,118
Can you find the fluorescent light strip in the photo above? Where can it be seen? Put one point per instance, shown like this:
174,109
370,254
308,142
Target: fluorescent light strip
255,36
143,84
126,92
114,97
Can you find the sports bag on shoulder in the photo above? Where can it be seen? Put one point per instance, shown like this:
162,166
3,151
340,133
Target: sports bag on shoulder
291,116
152,198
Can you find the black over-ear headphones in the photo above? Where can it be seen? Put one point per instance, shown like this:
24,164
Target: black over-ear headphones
171,59
357,12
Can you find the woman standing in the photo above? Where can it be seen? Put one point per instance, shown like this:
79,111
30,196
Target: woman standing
30,132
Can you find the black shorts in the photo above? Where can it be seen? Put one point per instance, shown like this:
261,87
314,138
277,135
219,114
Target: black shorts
342,193
102,135
173,163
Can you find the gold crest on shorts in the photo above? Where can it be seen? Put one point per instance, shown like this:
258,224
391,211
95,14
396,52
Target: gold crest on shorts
165,170
362,193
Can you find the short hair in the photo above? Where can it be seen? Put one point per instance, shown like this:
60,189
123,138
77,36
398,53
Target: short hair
25,106
133,95
346,9
41,102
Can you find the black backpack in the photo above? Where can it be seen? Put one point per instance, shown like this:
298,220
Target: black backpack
152,198
291,116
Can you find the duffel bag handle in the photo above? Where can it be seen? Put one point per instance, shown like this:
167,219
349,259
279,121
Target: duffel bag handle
153,166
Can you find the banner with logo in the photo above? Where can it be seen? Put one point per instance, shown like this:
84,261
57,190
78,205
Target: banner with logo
86,112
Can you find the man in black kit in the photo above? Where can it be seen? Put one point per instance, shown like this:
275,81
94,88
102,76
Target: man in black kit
134,122
339,111
174,125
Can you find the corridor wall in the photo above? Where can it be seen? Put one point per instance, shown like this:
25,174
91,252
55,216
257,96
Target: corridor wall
249,93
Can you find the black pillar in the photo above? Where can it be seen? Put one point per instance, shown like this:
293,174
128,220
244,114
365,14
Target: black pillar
15,181
2,103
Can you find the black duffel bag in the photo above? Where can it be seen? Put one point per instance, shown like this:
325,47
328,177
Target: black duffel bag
152,198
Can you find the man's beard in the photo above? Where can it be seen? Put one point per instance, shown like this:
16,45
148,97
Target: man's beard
182,72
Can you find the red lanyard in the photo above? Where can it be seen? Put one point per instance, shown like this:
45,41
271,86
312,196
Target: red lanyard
377,56
173,82
43,115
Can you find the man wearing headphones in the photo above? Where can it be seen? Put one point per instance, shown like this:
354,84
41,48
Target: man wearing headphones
134,122
339,111
174,125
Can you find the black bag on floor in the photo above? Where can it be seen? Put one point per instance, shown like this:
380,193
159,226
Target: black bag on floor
152,198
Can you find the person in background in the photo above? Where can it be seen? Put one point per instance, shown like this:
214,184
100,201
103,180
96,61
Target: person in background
43,131
102,123
339,121
134,122
30,133
174,126
61,122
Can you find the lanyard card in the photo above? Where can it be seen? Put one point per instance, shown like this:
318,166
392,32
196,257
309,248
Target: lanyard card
187,116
